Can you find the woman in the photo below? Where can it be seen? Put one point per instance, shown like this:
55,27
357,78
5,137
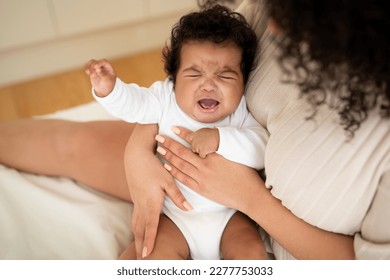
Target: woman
327,160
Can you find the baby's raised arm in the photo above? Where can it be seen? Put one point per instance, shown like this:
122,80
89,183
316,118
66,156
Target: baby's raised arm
102,76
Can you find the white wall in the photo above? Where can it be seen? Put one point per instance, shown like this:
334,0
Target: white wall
42,37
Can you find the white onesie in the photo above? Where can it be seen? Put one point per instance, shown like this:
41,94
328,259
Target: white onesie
242,140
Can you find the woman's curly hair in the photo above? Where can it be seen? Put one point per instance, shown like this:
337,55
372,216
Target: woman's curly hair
337,48
337,51
215,24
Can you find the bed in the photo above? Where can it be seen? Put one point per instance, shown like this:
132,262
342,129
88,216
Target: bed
57,218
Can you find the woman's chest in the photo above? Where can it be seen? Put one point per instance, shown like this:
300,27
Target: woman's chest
320,174
313,168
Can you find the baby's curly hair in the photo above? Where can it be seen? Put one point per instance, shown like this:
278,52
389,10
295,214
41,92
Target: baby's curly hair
337,51
215,24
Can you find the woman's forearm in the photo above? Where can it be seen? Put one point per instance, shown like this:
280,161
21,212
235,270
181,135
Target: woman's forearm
146,180
142,139
140,145
299,238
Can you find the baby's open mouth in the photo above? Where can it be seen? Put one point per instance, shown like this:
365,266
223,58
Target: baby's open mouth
208,104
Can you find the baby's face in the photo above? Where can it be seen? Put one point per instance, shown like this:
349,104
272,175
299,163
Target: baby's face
209,83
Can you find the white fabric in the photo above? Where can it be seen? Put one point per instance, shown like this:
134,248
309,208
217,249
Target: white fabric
242,140
56,218
201,229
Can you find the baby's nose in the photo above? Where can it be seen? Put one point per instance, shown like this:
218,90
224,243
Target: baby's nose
208,85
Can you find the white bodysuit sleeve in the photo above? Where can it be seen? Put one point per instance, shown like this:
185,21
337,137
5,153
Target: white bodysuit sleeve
245,145
373,242
133,103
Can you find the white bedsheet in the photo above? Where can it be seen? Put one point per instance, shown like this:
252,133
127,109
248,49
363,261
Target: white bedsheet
45,217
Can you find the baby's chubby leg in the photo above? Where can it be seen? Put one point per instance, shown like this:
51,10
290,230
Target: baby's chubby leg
129,253
241,240
170,243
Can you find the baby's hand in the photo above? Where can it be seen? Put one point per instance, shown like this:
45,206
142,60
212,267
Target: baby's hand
205,141
102,76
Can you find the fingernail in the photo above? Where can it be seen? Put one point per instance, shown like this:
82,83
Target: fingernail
144,252
167,167
159,138
162,151
187,206
175,129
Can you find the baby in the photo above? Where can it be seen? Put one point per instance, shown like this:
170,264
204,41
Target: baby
208,61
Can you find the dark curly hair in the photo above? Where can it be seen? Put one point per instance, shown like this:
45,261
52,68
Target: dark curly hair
217,24
340,47
337,51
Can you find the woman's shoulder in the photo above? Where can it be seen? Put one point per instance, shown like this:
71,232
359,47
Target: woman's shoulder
255,13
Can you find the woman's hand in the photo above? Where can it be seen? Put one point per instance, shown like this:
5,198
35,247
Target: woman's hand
148,183
214,177
239,187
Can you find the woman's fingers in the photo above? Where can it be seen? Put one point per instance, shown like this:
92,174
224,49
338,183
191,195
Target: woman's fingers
138,230
145,230
184,179
183,133
178,155
151,227
175,194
